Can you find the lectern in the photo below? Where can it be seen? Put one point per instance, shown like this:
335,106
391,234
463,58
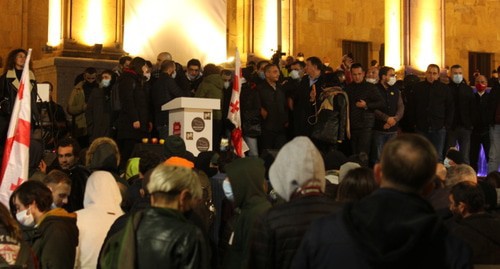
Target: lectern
191,119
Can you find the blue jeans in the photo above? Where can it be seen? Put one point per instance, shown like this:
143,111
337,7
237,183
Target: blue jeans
251,142
494,160
437,138
378,141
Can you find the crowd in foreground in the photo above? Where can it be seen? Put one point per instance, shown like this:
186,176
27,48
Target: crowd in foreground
297,210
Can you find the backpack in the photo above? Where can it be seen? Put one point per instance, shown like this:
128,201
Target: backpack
119,251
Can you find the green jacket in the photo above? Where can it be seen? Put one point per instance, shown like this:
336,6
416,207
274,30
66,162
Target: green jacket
76,108
55,239
212,86
247,182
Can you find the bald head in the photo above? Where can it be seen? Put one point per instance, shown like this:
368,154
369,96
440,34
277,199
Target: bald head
162,57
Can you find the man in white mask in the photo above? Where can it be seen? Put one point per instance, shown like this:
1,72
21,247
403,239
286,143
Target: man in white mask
386,118
372,75
465,110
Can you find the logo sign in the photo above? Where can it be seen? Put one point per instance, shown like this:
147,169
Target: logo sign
202,144
176,128
198,124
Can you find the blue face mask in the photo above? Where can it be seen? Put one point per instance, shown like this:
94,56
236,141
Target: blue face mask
262,75
228,190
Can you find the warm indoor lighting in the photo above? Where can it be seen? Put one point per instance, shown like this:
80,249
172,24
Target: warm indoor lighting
54,29
94,28
393,33
425,33
268,41
201,34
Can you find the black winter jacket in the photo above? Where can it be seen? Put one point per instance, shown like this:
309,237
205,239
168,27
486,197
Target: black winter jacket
433,106
166,238
280,232
363,118
465,107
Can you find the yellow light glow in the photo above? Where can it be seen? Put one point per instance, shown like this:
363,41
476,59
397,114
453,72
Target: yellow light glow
268,31
94,28
183,28
393,33
54,35
426,39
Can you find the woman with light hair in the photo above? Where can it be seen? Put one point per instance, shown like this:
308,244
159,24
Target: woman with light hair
164,235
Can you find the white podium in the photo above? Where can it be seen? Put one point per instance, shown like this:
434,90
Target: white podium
191,119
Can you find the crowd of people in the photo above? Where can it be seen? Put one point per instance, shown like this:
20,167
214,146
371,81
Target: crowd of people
347,167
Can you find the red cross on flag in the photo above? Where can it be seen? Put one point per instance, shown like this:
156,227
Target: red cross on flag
234,110
16,153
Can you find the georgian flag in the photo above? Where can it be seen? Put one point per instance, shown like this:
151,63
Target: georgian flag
234,110
15,161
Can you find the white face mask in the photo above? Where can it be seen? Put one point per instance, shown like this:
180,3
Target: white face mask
392,81
226,84
228,190
105,83
25,219
458,78
294,74
262,75
446,163
371,80
174,74
147,76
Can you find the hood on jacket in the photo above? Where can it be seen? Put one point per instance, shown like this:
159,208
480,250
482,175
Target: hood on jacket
58,213
102,191
247,180
214,79
392,228
103,154
296,163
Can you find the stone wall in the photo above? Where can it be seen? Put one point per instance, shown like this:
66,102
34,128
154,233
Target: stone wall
471,26
320,26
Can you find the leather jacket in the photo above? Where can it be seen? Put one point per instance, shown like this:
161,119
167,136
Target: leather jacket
166,237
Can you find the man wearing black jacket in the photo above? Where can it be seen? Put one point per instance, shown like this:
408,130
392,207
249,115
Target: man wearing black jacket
433,108
165,90
465,109
364,98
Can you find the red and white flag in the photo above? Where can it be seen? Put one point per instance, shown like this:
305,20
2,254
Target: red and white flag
234,110
15,161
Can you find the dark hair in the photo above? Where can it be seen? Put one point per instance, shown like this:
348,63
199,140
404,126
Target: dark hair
434,66
136,65
148,160
149,64
493,178
36,191
68,141
302,64
262,63
357,65
383,71
268,66
470,194
90,70
11,59
124,59
455,66
166,65
226,72
357,183
316,62
194,62
57,176
10,225
409,161
210,69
